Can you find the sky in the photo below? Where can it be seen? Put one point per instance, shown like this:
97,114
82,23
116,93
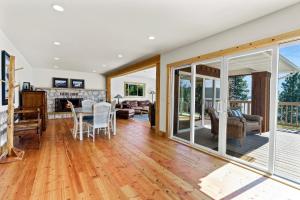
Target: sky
292,53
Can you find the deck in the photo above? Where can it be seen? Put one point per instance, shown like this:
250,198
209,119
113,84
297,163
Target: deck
256,149
287,160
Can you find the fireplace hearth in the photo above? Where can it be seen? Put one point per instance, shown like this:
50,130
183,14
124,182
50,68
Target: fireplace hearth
61,104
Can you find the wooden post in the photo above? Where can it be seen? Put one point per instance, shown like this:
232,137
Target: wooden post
261,97
14,154
10,109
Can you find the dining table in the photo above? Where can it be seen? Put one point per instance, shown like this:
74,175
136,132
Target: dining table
85,112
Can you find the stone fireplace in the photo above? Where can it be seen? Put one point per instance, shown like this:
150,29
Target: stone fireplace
57,99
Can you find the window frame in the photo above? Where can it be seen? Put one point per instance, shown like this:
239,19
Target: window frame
137,84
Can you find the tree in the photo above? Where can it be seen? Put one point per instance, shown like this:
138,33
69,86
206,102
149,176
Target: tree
291,88
238,88
290,93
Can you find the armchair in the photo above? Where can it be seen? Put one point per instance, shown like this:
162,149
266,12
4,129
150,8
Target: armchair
253,123
235,126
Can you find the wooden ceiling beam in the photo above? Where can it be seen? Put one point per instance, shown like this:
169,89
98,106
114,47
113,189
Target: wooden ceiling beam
145,64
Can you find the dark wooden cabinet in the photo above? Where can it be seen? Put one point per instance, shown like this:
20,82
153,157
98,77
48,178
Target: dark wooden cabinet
34,100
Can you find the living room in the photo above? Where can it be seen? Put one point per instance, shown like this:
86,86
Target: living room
135,95
150,100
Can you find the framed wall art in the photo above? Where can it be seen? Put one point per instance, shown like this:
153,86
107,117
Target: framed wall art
5,62
77,83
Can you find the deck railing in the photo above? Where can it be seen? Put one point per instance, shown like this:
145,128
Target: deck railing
288,113
244,105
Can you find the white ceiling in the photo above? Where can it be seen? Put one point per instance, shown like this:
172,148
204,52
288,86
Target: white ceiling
93,32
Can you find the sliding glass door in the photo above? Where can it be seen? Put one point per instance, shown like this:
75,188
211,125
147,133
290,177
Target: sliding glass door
248,121
196,104
287,153
207,105
243,107
182,103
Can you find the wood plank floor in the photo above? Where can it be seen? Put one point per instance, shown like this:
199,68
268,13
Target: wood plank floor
134,164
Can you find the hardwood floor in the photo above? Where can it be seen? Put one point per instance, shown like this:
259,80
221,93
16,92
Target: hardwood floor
134,164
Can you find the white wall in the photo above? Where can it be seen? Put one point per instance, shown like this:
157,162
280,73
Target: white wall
117,87
43,78
21,76
280,22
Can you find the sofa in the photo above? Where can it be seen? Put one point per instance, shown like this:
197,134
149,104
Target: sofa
139,107
237,127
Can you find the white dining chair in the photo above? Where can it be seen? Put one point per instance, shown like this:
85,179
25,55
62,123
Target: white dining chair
75,130
75,120
87,104
112,114
101,116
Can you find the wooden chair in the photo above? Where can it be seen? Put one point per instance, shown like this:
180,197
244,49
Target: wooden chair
23,127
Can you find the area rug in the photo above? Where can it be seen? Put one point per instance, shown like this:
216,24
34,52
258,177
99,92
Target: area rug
141,117
204,137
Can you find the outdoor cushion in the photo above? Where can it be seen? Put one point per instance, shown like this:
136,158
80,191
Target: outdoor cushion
229,112
236,112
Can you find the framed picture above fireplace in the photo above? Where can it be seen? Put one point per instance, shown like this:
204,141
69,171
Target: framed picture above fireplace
60,83
77,83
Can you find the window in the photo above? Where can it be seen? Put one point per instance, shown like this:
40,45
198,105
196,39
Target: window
134,89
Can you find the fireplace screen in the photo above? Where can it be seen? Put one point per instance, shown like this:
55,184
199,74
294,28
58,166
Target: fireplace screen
61,104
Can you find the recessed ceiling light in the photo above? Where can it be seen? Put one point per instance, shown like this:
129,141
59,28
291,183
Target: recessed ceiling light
58,8
56,58
151,38
56,67
56,43
120,56
94,71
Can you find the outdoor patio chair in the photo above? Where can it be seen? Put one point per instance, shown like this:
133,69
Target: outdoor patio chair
236,128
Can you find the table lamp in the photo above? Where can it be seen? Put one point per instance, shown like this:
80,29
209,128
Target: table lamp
152,92
118,96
